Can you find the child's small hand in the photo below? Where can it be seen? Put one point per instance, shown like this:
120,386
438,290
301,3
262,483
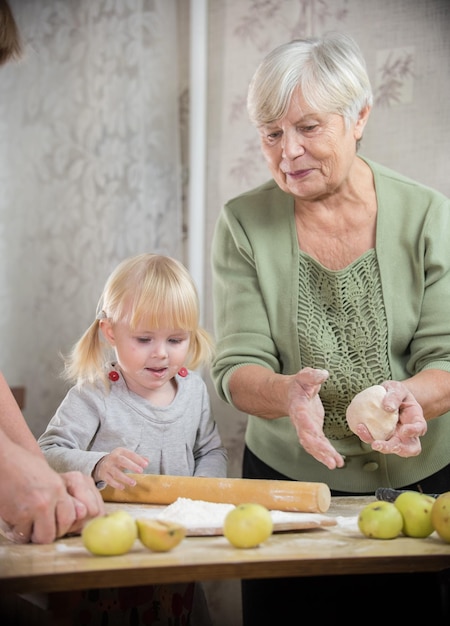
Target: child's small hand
112,468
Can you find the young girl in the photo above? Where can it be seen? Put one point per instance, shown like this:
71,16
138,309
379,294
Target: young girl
137,405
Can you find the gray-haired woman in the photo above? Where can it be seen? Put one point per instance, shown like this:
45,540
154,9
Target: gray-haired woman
330,278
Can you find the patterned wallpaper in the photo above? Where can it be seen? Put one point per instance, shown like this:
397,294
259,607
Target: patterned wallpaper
90,172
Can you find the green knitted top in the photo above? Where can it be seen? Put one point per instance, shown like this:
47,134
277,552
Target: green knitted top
387,315
342,328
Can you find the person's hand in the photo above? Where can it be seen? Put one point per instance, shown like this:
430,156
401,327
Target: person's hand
411,425
113,467
35,504
87,500
307,414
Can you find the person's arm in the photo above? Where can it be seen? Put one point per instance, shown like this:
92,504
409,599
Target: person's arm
259,391
12,422
425,308
253,322
431,388
70,439
36,503
422,397
256,390
211,458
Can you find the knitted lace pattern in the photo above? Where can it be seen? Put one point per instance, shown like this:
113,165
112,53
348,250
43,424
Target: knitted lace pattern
342,328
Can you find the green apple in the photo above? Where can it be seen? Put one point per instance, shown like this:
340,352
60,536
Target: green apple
111,534
380,520
248,525
415,508
160,535
440,516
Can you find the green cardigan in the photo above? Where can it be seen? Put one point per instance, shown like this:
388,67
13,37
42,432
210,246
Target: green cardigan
255,296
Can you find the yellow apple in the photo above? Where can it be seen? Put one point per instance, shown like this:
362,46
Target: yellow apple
248,525
111,534
160,535
440,516
415,508
380,520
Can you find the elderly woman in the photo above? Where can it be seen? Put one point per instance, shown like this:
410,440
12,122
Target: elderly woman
330,278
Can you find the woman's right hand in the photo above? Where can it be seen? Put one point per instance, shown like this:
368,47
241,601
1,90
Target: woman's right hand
307,414
113,467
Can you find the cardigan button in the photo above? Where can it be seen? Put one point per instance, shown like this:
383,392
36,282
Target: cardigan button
371,466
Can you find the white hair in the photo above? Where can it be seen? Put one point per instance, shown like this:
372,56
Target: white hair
330,72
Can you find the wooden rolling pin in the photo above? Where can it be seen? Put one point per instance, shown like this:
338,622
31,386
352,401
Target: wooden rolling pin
280,495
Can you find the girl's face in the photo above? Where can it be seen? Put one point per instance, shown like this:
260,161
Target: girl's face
148,359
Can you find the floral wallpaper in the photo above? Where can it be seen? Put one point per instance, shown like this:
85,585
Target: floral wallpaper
90,172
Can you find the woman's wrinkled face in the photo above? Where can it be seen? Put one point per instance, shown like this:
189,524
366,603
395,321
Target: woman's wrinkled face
308,153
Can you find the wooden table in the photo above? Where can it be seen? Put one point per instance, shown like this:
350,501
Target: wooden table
66,565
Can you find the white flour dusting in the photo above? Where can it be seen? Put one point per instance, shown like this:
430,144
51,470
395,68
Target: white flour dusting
201,514
196,513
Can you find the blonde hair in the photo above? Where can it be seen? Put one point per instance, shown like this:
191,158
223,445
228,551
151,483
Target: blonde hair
150,289
10,42
330,72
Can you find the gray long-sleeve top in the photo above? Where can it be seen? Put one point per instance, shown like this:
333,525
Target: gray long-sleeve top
181,439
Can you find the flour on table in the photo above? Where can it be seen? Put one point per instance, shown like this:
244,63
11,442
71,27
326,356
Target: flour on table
196,513
201,514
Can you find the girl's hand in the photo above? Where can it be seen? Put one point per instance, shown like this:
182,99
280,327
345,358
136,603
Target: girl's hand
307,414
112,468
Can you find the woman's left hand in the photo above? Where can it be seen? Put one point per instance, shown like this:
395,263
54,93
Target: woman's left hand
411,425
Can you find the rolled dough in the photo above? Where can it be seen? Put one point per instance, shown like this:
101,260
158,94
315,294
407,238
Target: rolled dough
365,408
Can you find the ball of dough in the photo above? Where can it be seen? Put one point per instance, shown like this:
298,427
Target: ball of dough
365,408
